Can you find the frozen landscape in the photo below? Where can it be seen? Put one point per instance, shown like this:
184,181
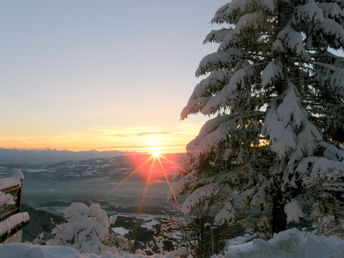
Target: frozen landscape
94,180
95,163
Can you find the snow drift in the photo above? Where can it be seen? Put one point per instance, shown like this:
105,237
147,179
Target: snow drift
289,243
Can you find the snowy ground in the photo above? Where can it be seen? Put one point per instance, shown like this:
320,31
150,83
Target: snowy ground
120,230
148,221
290,243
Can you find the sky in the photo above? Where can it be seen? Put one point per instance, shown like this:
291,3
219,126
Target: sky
103,75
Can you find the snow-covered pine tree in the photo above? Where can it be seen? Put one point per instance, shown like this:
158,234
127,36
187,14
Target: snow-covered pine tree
275,89
86,228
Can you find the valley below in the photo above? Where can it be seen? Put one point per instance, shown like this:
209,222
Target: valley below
117,183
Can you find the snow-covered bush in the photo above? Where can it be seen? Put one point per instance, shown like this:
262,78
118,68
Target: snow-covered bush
274,89
85,229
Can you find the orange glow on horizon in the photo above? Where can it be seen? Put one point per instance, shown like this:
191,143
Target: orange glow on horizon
106,138
148,166
152,167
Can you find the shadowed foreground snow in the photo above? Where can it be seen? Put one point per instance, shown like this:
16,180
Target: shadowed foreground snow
290,243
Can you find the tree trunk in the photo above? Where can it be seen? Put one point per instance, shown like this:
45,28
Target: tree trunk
279,217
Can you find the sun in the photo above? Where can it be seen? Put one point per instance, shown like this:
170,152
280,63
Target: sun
156,153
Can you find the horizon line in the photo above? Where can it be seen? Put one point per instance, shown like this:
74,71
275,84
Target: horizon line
147,148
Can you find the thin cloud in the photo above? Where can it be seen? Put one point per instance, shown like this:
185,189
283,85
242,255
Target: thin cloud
141,146
143,133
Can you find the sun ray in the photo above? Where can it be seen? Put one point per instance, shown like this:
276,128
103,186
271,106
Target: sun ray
132,173
168,183
155,157
145,189
182,169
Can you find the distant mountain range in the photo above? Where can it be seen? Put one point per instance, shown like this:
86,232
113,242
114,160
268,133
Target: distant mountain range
115,168
18,156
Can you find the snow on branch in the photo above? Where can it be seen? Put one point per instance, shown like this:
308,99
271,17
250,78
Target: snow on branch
230,91
221,14
331,76
259,198
179,187
279,131
321,169
216,35
292,40
294,210
251,20
194,105
227,213
203,90
334,32
248,21
213,131
226,12
236,8
271,72
198,196
332,10
288,127
332,152
307,13
219,60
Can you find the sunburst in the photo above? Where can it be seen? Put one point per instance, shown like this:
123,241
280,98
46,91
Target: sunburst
151,169
156,153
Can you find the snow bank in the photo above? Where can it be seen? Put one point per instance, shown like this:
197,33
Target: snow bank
39,251
290,243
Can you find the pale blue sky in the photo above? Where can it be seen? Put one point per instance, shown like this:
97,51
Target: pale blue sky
68,66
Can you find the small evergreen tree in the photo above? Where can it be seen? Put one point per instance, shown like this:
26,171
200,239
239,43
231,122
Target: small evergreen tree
275,89
86,228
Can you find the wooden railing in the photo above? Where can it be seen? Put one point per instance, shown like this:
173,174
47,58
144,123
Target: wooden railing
11,219
8,210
